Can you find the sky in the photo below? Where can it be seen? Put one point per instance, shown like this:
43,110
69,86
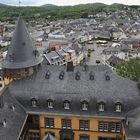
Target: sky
67,2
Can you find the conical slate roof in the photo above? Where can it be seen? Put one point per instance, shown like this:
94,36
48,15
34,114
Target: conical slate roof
21,53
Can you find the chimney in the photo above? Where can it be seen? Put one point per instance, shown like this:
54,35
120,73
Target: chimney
70,67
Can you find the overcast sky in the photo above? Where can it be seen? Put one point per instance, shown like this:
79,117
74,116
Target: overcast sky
67,2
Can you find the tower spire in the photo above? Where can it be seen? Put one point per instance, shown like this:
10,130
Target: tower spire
22,55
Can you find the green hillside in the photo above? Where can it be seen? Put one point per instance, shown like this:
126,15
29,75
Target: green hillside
54,12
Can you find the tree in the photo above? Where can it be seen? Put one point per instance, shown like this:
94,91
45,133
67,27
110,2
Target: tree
98,61
130,69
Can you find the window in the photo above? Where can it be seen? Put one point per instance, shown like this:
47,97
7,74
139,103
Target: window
84,137
33,102
101,106
113,127
108,138
27,70
66,105
33,136
49,122
84,105
103,126
84,124
66,123
118,127
118,107
50,103
109,126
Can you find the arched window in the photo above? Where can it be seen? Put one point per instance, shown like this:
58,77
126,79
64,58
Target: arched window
66,104
84,105
33,102
101,106
50,103
118,107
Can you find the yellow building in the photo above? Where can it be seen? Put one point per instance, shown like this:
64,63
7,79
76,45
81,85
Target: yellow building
71,125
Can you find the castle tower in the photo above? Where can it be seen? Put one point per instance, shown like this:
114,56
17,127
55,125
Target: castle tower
22,58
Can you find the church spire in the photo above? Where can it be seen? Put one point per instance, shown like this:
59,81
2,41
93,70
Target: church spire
21,53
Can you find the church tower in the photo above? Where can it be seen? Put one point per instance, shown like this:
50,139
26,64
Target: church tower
22,58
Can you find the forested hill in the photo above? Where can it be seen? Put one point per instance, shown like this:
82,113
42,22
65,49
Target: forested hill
58,12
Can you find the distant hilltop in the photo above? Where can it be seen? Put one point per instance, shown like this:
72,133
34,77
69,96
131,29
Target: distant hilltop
79,5
54,12
1,4
48,5
88,4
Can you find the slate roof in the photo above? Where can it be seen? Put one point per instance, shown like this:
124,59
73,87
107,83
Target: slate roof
133,127
14,118
21,53
113,60
36,86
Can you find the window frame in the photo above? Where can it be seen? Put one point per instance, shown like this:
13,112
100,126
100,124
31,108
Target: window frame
50,123
84,105
118,107
101,106
82,124
50,101
66,105
85,137
34,102
66,123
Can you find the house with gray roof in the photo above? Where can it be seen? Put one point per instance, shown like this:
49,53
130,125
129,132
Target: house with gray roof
68,102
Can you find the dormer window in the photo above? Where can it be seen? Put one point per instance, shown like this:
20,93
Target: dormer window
33,102
47,76
91,76
61,76
4,123
101,106
11,57
66,105
13,107
36,53
107,77
84,105
77,76
50,103
118,107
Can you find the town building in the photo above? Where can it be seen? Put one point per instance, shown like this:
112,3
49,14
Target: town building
64,102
